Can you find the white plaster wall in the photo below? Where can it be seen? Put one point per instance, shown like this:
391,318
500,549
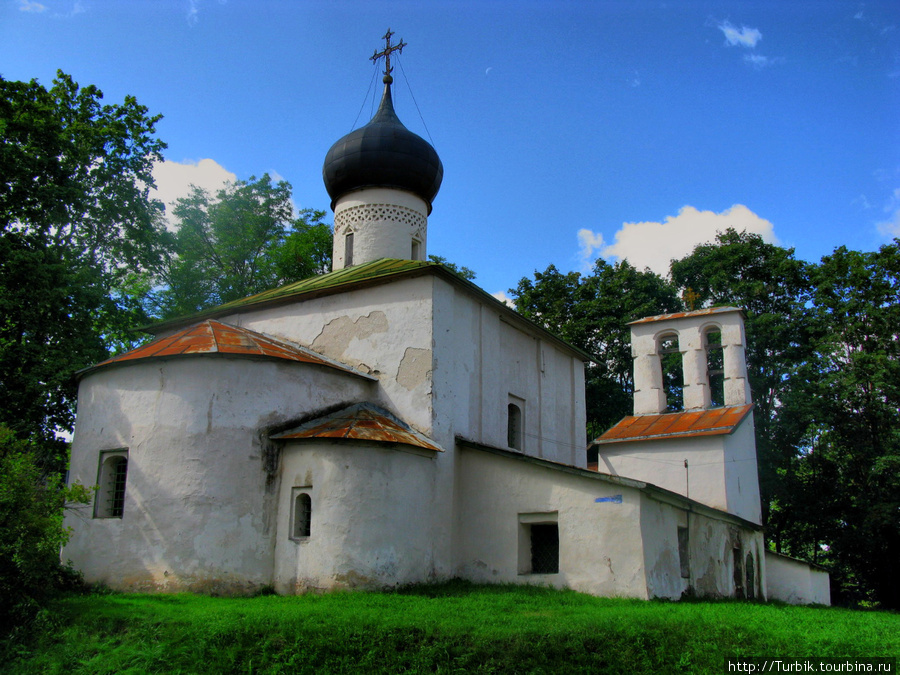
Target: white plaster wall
379,234
600,546
711,545
661,462
659,528
383,330
198,508
482,359
741,472
796,582
721,470
370,525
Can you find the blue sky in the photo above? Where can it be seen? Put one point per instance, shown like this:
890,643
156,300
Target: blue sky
568,130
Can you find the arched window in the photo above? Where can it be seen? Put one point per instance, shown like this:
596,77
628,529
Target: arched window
111,480
302,515
672,372
514,426
715,367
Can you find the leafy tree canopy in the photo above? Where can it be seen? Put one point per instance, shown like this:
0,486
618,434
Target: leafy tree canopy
464,272
839,496
76,227
242,241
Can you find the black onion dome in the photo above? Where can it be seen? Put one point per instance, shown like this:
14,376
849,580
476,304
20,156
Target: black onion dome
383,153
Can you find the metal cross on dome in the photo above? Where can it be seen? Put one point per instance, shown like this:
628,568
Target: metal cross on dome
388,50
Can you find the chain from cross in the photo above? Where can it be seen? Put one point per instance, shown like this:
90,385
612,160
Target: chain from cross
388,50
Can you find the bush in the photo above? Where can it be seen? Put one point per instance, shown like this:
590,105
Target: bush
31,531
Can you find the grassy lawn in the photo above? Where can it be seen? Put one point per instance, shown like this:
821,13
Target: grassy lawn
455,627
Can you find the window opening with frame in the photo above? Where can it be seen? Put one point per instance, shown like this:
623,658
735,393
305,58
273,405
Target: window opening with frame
112,477
514,426
416,247
715,367
301,514
544,548
538,543
670,360
348,250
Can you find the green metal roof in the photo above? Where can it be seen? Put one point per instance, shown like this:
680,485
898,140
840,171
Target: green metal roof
333,282
384,270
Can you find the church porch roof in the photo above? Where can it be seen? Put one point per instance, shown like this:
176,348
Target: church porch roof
361,422
712,422
215,337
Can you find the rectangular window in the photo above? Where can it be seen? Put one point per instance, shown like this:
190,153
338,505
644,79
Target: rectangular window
414,253
684,555
538,543
301,513
112,476
544,548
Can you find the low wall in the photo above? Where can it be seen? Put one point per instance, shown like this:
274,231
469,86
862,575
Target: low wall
795,581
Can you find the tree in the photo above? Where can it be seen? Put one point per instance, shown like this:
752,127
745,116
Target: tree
772,287
464,272
76,222
842,420
592,312
31,530
243,241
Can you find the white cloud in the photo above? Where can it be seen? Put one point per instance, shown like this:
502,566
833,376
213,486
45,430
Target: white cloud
504,298
174,180
193,12
759,61
588,243
745,37
863,202
891,226
29,6
653,245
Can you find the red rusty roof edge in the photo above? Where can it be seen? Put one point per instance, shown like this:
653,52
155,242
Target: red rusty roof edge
709,423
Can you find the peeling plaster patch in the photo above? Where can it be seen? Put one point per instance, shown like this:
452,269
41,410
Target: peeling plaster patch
414,368
337,334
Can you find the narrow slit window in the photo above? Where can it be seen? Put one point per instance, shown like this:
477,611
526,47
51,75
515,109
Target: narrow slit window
514,426
414,253
684,552
715,368
672,372
302,526
738,573
348,250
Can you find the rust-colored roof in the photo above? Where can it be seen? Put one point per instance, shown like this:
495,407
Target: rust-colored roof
680,315
215,337
713,422
362,422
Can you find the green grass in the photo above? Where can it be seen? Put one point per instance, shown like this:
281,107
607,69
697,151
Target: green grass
454,627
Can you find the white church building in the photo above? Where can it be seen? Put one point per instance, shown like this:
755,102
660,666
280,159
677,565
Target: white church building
391,423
